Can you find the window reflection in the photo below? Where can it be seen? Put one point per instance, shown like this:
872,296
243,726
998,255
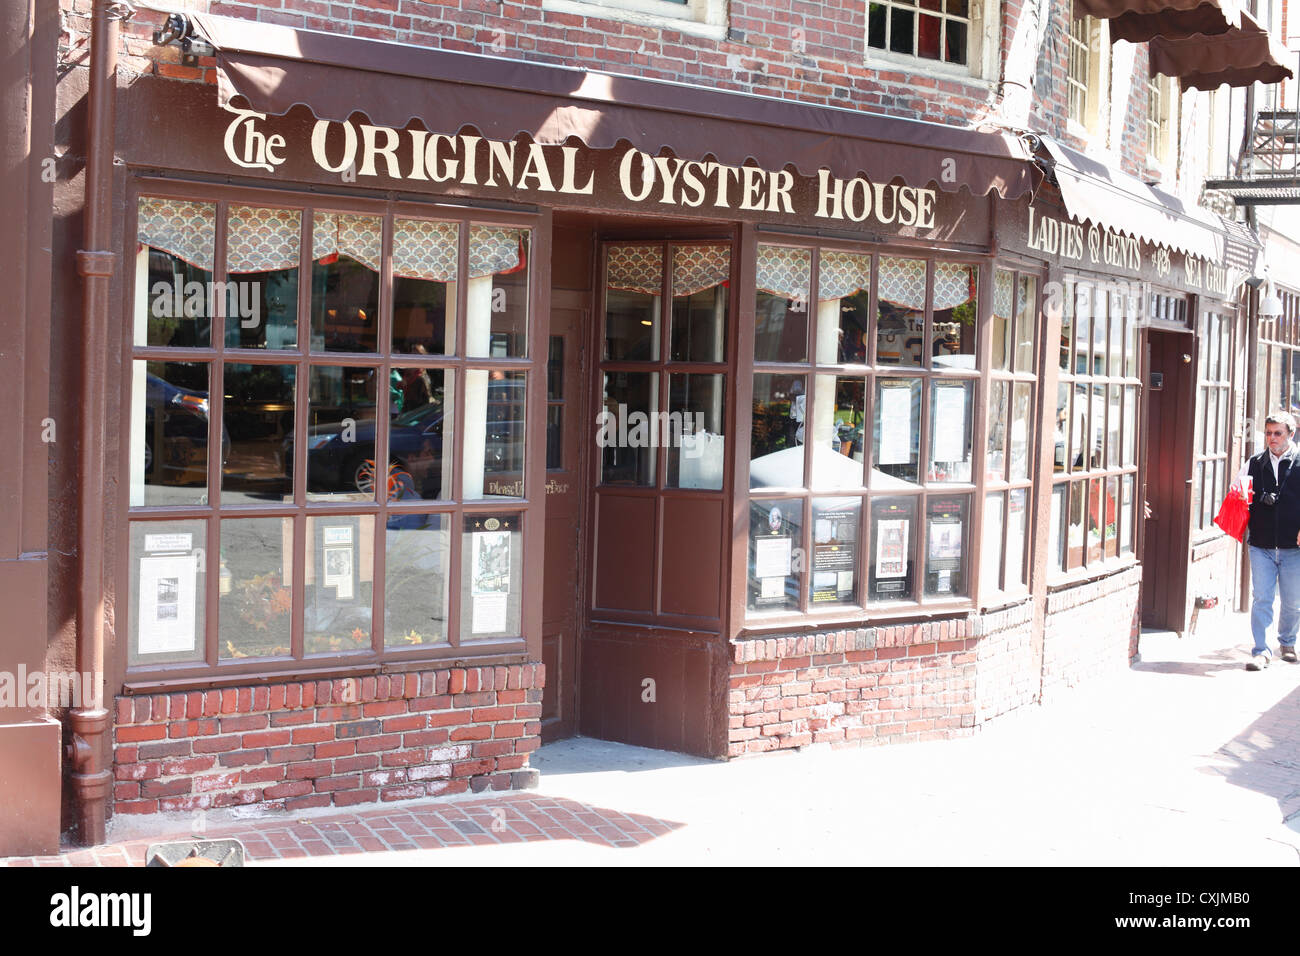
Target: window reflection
259,409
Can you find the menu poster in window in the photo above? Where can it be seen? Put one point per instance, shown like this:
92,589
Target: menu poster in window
167,602
950,423
834,555
490,563
895,425
338,560
944,552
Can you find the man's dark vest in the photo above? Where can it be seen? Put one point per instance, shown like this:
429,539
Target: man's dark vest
1274,526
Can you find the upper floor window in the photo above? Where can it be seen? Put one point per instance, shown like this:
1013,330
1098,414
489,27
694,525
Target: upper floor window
706,18
928,29
1079,67
1161,103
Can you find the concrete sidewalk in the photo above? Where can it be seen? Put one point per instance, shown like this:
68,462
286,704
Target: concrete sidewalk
1184,759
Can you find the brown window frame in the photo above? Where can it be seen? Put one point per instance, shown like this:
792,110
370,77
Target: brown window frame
529,508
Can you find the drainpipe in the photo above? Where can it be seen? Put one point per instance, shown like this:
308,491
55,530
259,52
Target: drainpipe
96,263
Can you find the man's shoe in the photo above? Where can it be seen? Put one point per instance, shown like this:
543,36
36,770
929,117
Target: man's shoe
1288,653
1259,662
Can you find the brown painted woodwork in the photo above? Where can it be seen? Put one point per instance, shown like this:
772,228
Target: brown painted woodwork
1169,429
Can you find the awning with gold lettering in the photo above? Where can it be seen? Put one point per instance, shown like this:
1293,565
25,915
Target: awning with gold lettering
274,68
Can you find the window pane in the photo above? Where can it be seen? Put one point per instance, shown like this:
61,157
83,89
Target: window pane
775,533
627,454
1056,530
1118,312
425,264
1002,314
419,463
700,303
416,595
1198,483
991,545
951,416
345,282
1083,317
839,407
341,433
1131,348
876,25
1026,323
781,307
1198,419
339,584
493,448
777,435
496,310
167,607
1022,429
554,437
169,433
259,410
491,589
1100,325
999,418
1112,425
1096,512
955,42
1130,427
896,432
1126,515
955,300
1060,457
928,36
893,536
256,587
900,291
1111,517
1067,326
1017,525
173,272
945,531
262,254
695,441
1076,524
633,292
844,302
835,551
901,30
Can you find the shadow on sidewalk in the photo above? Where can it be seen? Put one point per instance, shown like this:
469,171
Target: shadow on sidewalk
1265,758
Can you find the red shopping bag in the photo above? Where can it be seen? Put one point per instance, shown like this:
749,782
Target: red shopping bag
1234,513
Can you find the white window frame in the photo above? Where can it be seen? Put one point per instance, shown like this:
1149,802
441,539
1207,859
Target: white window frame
1096,38
981,52
703,18
1167,122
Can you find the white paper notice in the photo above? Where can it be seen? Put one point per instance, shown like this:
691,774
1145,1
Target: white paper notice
772,587
338,569
168,542
771,557
167,590
891,548
490,613
950,423
895,426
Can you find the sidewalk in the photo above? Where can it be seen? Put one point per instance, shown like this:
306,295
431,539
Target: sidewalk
1185,759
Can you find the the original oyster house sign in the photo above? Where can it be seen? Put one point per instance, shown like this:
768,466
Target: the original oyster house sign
358,151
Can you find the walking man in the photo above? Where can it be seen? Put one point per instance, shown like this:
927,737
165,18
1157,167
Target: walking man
1273,535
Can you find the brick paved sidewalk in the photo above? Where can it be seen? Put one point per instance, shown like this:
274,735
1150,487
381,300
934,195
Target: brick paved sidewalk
427,825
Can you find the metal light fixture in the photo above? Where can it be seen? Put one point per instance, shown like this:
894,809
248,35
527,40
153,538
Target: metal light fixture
1270,306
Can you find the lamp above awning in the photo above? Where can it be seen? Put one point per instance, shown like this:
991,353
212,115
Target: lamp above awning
1239,57
1096,192
275,68
1138,21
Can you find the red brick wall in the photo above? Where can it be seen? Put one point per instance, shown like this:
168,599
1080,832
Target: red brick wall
1091,630
845,688
1008,671
791,49
321,743
1212,572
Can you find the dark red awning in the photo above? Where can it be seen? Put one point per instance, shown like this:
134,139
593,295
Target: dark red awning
1241,56
275,68
1175,19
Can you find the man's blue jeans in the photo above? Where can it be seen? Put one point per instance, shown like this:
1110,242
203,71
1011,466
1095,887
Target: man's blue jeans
1271,570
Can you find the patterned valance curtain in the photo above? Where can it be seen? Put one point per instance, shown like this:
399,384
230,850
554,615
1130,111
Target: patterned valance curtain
696,268
266,240
1002,302
902,282
953,284
843,274
635,269
785,272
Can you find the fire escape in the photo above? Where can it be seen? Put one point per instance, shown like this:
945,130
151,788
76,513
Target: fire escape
1267,171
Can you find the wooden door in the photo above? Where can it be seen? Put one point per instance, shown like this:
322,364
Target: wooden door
564,500
1170,409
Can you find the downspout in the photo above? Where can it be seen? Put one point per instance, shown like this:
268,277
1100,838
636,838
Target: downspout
96,263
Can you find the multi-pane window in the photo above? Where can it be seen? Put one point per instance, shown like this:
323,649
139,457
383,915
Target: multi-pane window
861,453
928,29
1009,458
326,449
1277,371
1079,66
1161,107
1095,461
1213,418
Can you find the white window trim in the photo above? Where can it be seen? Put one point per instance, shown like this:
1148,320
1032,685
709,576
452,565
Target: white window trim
702,18
981,58
1171,107
1097,106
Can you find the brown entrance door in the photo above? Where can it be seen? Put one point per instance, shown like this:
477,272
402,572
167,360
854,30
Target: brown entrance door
564,472
1170,402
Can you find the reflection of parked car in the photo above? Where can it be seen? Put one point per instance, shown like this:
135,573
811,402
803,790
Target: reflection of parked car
176,432
341,458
